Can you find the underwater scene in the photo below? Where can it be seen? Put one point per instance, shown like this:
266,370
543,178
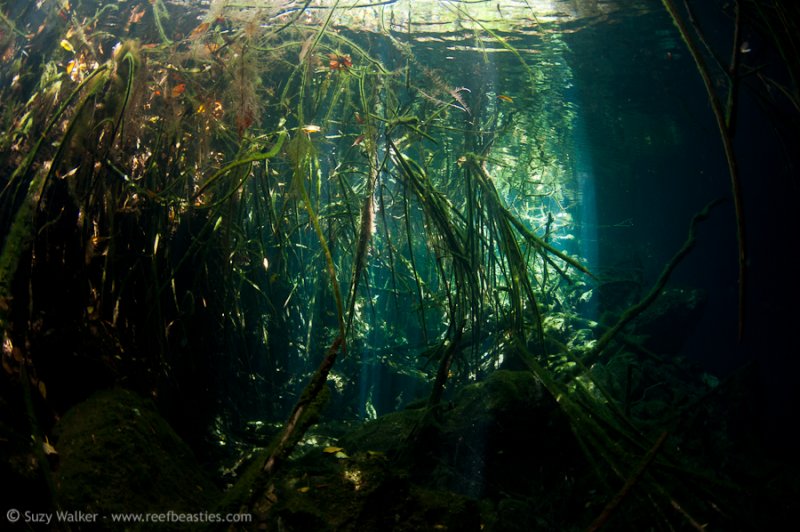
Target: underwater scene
408,265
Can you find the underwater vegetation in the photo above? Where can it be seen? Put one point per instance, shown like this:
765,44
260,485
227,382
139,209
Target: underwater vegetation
334,252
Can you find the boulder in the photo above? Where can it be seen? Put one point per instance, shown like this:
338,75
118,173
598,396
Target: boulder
118,455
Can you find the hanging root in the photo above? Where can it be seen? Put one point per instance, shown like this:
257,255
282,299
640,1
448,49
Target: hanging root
727,144
651,296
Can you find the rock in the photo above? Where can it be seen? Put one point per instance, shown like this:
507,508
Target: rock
117,454
506,434
503,435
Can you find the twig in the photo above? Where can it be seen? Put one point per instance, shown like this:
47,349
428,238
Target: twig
612,505
294,429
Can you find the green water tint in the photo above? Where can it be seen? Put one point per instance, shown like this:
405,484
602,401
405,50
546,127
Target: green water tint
247,191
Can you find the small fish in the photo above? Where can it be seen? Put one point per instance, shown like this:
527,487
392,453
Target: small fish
359,118
504,98
48,448
136,15
178,89
199,30
310,128
332,450
65,44
745,48
340,61
359,140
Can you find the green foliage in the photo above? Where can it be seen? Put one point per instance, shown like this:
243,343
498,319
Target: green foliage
228,200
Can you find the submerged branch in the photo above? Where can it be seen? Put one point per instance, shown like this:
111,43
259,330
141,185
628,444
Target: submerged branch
612,505
304,414
301,417
633,311
727,144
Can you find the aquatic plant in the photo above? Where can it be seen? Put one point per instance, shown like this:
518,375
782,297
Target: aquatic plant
238,204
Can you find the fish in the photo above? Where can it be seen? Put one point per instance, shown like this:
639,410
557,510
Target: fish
359,140
136,15
332,450
340,61
505,98
199,30
178,89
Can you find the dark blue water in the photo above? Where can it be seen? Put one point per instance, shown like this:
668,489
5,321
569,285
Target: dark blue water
657,158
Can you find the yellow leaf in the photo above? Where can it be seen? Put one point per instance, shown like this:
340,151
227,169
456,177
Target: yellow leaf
332,450
304,489
340,454
43,389
65,44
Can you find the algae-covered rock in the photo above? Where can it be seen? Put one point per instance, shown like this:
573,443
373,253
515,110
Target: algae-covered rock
501,450
506,434
362,491
118,455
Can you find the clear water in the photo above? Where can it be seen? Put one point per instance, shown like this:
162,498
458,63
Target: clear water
215,192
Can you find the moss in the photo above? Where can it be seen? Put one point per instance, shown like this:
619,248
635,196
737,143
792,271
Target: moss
241,493
384,434
364,491
118,455
17,242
